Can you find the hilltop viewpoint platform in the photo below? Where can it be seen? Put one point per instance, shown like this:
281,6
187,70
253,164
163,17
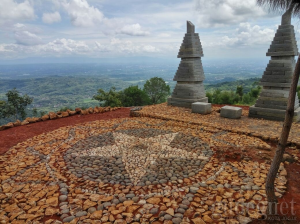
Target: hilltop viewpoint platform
161,166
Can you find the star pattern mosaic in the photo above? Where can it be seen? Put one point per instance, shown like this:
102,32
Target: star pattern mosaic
131,170
131,157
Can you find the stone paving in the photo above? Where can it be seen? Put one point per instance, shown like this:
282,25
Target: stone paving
264,129
137,170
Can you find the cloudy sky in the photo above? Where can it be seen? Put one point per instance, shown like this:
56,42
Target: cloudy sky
133,28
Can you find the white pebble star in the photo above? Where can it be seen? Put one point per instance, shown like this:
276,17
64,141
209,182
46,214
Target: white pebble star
138,153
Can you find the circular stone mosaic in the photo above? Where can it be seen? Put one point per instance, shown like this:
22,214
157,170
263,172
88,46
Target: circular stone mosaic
138,157
138,170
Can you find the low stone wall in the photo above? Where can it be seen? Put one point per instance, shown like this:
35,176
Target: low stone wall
57,115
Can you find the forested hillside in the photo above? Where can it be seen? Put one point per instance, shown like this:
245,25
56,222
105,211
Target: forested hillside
52,93
231,86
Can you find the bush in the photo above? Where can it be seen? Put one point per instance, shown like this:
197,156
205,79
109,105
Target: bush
230,97
63,109
155,91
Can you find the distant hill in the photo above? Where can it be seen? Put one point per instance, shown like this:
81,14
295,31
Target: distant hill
231,86
52,93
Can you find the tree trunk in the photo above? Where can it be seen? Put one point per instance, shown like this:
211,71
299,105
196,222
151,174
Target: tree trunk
289,114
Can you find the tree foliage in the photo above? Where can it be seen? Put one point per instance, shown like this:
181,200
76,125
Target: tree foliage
111,98
15,106
34,112
157,90
230,97
239,91
133,96
282,5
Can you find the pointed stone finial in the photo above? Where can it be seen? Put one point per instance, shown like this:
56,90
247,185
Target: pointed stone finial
190,27
287,17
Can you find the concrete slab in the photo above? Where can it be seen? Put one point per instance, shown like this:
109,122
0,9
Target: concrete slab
231,112
201,108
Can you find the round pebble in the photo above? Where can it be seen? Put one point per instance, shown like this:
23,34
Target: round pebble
63,198
69,218
167,217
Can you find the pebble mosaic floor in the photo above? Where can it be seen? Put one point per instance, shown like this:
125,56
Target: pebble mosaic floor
137,170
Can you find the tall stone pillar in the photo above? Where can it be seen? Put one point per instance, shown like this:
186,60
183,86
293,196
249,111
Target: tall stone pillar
190,75
276,81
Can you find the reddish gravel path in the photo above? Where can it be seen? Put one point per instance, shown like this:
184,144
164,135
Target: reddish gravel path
13,136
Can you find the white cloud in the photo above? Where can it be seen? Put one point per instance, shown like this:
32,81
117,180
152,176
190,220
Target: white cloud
134,30
66,47
82,14
101,47
150,49
25,36
51,17
126,46
246,35
164,35
143,27
12,11
56,3
220,13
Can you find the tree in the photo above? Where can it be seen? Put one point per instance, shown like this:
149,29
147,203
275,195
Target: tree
294,7
133,96
209,95
254,92
226,97
5,110
34,112
15,105
157,90
247,99
111,98
239,91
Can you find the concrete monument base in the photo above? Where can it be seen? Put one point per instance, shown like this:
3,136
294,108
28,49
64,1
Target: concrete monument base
231,112
201,108
272,114
180,102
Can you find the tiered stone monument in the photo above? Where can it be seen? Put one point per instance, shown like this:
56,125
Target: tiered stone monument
190,75
277,78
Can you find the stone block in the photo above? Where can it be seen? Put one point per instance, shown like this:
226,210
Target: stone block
277,69
201,108
272,114
180,102
274,79
288,53
52,115
273,84
231,112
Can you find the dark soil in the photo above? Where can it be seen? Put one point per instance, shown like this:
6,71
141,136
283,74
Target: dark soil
13,136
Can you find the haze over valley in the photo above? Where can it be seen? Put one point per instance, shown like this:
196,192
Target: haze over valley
57,85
